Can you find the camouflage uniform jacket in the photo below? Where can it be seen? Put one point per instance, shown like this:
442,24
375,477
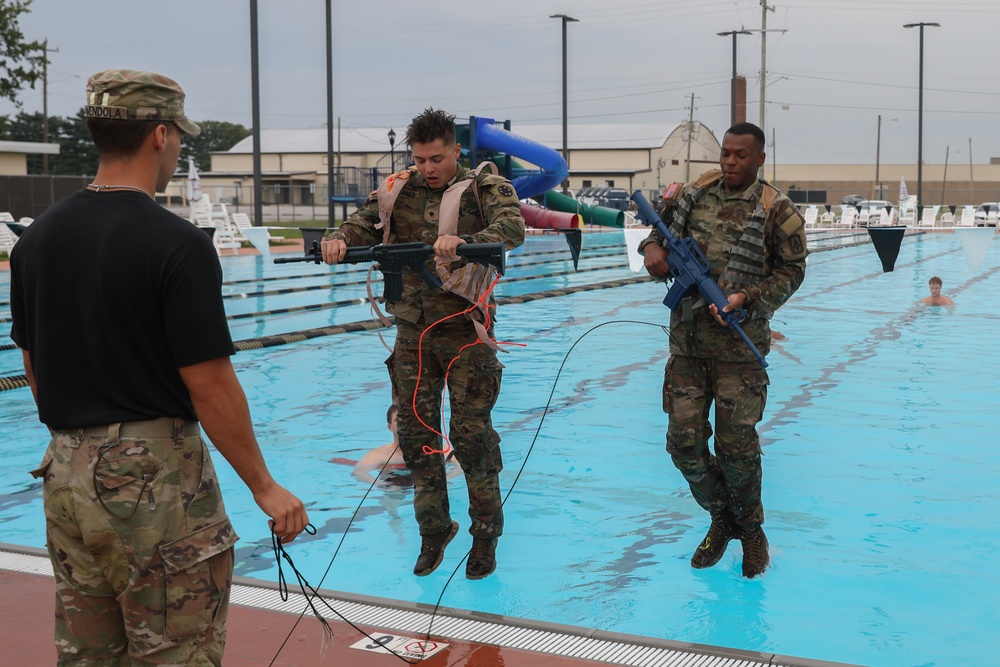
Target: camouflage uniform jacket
717,223
415,218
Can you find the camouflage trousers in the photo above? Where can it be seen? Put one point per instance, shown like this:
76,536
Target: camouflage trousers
140,545
729,479
473,387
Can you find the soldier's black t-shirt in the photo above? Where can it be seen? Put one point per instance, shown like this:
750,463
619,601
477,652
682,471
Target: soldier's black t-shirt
110,295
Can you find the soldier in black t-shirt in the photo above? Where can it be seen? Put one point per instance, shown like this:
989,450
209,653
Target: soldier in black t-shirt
117,308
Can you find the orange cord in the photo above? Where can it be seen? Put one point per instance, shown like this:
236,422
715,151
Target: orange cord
420,365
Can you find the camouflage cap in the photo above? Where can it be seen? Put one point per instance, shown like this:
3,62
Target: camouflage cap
129,94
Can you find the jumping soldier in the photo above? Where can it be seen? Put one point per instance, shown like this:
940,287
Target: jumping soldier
755,241
441,203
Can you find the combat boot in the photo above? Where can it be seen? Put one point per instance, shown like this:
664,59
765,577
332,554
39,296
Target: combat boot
482,558
755,556
432,550
723,529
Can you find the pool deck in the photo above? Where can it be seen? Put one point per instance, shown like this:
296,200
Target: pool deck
265,630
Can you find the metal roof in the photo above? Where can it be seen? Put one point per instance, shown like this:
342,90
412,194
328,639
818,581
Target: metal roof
29,147
613,136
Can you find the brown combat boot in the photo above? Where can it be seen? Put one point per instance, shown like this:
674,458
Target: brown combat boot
432,550
712,548
755,556
482,558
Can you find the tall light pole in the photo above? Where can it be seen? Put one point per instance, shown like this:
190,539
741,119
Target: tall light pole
732,87
565,135
392,155
330,179
920,113
258,182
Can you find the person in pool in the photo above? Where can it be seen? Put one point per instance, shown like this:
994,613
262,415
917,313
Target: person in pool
936,299
385,463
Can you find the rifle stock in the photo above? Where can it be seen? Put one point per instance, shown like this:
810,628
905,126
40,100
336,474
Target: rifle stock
689,267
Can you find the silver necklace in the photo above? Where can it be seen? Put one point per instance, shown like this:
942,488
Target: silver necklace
98,188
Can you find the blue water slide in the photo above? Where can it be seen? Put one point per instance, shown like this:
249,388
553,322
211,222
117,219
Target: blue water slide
552,167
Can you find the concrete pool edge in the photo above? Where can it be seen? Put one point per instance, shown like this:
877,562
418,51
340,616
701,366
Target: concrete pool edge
471,626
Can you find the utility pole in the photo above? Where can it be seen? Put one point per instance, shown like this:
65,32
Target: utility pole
763,56
878,150
971,181
774,158
763,65
690,138
45,102
944,179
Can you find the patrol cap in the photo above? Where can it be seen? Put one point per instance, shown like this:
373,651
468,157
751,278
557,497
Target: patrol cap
129,94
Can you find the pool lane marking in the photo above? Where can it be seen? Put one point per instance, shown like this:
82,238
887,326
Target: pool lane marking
604,250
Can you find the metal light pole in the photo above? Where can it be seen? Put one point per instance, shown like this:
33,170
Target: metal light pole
258,184
392,155
732,88
920,113
565,136
330,180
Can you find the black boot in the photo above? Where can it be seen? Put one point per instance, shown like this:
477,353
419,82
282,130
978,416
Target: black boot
482,558
712,548
755,556
432,550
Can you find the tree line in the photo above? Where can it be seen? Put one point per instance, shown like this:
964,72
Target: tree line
78,157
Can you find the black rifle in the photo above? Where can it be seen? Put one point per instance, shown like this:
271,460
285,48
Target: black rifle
393,258
689,267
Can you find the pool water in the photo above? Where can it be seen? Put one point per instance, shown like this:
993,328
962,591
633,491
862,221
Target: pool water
880,461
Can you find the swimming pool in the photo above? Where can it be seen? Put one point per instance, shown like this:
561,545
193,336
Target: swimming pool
879,464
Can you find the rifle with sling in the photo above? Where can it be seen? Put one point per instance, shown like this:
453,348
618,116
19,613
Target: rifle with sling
690,268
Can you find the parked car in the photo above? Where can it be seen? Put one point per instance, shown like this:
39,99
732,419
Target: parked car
852,200
983,213
874,208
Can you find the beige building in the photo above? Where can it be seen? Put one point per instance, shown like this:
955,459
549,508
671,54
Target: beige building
14,155
629,156
956,185
294,162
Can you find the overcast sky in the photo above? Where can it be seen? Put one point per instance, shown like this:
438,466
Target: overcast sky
838,65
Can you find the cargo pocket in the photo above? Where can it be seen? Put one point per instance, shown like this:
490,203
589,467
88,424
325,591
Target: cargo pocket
390,365
750,409
484,385
197,570
43,467
668,394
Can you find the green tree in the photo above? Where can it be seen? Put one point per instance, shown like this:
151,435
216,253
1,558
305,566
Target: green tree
77,154
215,136
20,61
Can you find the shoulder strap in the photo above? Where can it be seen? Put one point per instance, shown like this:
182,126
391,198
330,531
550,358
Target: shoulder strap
386,194
767,196
706,179
451,201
